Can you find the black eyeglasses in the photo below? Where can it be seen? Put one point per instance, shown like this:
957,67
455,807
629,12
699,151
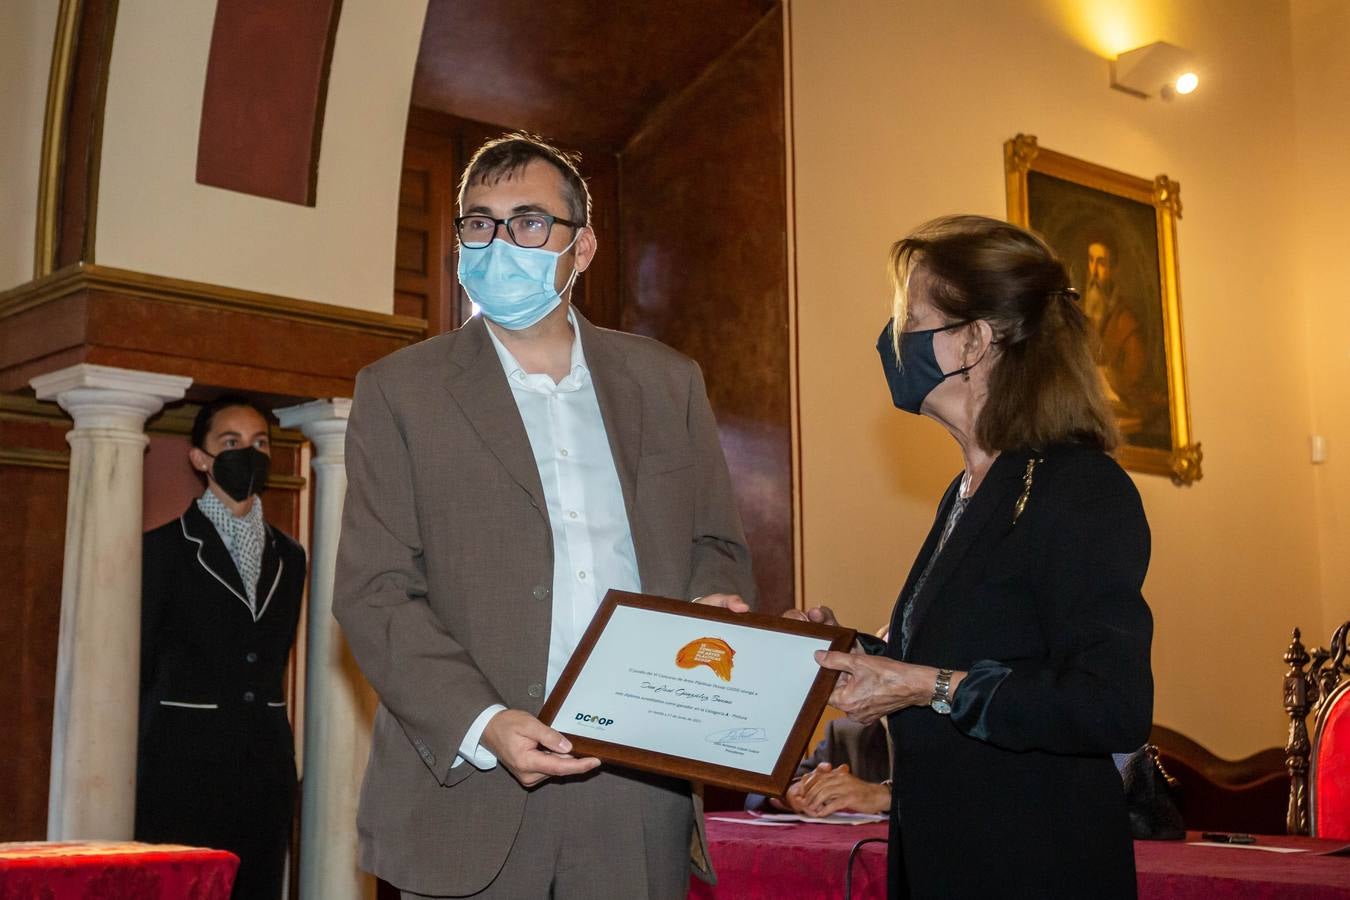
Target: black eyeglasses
526,229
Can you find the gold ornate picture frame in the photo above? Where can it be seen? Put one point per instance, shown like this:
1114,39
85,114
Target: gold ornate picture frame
1117,235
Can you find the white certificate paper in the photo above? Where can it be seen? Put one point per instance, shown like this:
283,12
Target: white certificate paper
668,684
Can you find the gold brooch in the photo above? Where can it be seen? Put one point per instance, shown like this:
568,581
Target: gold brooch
1026,488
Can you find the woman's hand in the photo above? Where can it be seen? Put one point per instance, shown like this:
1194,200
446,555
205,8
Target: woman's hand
869,687
821,615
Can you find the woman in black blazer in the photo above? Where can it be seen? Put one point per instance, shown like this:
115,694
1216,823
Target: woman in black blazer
216,763
1019,651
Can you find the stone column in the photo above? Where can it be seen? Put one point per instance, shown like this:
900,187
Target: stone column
93,772
339,703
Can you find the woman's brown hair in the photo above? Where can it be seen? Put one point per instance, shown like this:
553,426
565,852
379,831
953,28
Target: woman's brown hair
1044,386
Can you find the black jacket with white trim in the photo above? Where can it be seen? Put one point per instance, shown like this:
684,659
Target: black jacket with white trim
213,671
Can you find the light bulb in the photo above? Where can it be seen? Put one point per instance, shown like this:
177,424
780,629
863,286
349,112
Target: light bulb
1187,83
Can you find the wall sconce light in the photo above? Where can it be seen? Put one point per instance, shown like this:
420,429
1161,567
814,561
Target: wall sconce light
1157,68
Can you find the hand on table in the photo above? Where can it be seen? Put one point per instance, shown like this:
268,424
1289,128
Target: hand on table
827,789
530,750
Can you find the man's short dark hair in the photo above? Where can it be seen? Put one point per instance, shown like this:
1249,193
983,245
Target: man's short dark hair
504,156
201,426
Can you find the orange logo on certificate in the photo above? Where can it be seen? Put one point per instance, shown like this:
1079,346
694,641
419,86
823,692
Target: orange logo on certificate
714,653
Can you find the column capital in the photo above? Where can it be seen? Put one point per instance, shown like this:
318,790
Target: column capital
109,397
324,422
88,375
314,411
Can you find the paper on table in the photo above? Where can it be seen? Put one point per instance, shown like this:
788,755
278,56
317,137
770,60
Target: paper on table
749,822
839,818
1247,847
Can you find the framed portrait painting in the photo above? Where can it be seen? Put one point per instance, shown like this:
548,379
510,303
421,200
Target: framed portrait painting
1117,235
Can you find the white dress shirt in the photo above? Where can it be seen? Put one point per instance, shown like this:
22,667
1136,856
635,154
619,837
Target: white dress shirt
592,542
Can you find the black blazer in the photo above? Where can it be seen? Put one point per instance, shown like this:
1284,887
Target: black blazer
1014,794
212,673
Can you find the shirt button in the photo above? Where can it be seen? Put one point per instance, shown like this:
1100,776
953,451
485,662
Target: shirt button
250,656
562,452
535,690
581,575
248,696
541,593
572,514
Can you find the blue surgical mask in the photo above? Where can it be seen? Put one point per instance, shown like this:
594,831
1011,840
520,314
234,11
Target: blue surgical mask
513,286
912,384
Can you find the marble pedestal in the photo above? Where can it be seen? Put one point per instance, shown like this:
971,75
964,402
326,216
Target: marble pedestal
339,703
92,791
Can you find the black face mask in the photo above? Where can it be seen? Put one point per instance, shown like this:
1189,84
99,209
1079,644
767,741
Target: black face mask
921,373
240,473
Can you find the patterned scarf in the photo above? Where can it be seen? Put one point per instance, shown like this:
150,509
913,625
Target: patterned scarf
244,537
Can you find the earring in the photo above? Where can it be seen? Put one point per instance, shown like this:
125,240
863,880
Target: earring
965,376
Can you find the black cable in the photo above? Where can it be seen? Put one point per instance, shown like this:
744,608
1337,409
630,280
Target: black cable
848,871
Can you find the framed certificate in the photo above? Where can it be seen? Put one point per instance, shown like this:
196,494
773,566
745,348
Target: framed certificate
695,691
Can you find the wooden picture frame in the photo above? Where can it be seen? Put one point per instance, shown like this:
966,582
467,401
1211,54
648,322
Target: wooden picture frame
788,755
1117,235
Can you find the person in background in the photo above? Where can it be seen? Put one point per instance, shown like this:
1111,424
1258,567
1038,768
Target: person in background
849,771
220,599
1019,652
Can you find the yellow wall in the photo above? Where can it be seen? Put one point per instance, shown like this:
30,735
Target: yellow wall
154,217
27,28
900,112
1322,134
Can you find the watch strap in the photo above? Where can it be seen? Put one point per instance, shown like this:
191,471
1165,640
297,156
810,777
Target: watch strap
942,691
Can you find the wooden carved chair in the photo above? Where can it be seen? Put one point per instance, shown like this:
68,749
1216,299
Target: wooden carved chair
1216,794
1319,768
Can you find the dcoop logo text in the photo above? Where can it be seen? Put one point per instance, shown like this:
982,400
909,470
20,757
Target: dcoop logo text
594,720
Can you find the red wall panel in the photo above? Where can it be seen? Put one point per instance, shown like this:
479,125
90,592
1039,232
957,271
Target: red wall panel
703,212
262,110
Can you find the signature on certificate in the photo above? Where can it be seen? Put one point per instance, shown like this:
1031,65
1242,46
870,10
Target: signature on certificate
737,736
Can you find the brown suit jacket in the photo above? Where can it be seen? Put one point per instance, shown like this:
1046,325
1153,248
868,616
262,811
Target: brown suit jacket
445,569
864,747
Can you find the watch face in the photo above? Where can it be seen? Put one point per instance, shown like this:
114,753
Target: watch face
941,707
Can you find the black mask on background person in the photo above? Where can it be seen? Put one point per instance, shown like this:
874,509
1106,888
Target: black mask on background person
921,373
241,473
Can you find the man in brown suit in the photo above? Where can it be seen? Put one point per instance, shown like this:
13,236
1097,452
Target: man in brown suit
502,478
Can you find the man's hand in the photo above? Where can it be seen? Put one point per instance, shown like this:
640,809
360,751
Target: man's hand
827,790
530,750
733,602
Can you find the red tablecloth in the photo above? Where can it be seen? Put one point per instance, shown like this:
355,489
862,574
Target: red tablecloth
106,870
808,861
798,862
1178,869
